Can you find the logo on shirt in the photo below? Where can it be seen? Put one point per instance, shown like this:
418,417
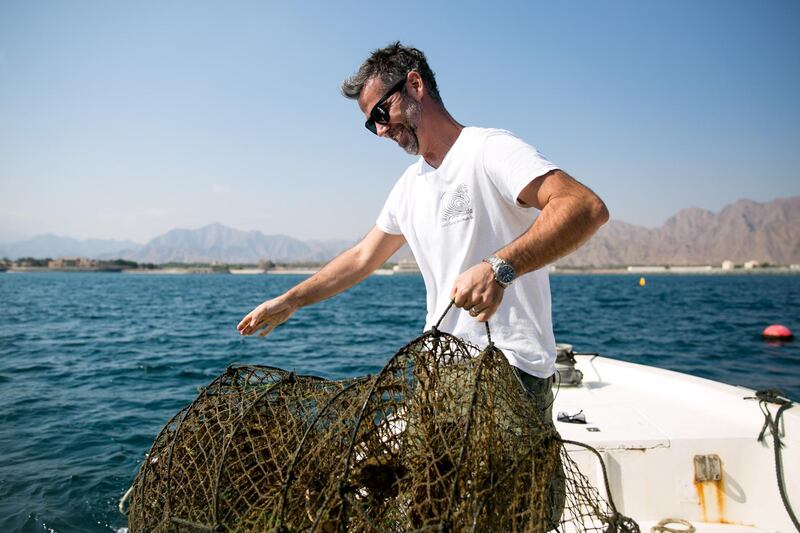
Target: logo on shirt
456,206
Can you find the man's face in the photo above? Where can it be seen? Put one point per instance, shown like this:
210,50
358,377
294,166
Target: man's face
403,111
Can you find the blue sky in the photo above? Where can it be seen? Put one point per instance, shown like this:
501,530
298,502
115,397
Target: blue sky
124,120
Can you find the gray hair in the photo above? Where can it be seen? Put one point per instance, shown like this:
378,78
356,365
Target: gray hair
390,64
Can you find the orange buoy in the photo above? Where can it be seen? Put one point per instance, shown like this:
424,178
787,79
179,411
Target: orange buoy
777,332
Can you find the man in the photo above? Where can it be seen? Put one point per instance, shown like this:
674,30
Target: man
482,212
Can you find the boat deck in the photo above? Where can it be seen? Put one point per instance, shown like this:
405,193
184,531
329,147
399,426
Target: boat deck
650,426
706,527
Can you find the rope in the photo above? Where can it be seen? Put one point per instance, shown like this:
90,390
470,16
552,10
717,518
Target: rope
661,527
602,467
124,500
766,397
439,322
617,521
435,327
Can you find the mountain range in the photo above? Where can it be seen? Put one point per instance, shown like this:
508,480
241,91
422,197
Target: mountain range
214,242
745,230
220,243
767,232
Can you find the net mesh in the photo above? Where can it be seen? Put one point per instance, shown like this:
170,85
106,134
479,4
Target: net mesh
444,438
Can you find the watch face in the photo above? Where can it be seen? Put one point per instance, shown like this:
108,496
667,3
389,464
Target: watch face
505,274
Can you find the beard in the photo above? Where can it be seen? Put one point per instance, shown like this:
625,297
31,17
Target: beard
405,134
406,138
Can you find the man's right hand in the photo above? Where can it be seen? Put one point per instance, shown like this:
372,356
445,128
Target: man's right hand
344,271
268,316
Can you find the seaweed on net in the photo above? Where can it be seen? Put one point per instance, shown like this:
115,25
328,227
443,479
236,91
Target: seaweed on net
443,438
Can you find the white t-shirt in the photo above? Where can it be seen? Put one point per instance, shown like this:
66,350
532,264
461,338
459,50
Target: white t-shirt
458,214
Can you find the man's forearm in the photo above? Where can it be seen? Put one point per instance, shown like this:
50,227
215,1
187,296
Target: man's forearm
563,225
341,273
346,269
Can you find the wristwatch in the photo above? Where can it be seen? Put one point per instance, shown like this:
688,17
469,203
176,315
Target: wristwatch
504,272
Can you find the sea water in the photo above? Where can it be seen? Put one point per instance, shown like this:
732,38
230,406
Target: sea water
93,365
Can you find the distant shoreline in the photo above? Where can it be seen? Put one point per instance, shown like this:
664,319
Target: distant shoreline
566,271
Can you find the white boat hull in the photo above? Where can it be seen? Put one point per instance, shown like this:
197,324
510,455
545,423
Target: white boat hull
651,423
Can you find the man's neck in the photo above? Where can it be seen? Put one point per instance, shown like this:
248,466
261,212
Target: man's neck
444,132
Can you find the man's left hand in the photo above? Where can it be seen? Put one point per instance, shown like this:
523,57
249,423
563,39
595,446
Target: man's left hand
478,292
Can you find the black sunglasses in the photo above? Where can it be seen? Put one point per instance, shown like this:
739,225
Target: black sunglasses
577,418
378,114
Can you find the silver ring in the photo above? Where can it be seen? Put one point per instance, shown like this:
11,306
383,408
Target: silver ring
474,311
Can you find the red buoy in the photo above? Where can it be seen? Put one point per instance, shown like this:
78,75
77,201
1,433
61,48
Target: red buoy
777,332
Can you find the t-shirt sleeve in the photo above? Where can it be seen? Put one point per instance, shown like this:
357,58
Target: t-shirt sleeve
387,219
512,164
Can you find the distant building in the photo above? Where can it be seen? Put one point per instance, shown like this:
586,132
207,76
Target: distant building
750,265
728,265
406,266
794,266
690,269
644,269
71,262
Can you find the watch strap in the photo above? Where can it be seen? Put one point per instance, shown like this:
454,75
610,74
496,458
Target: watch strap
496,263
